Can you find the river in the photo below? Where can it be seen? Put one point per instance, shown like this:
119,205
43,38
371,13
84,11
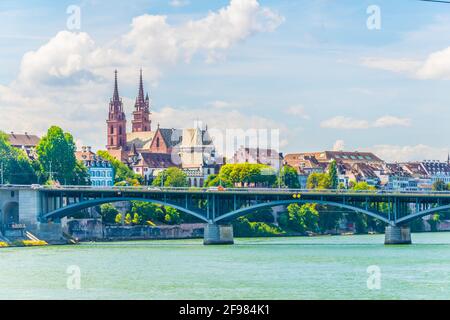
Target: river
270,268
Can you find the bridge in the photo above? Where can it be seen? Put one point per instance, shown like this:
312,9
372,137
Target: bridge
40,208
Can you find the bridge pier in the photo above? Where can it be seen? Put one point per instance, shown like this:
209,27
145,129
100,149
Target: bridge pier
215,234
397,235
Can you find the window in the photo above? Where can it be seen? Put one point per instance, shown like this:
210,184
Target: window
120,129
112,130
157,142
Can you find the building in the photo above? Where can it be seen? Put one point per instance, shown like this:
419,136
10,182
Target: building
437,170
351,166
26,142
148,152
197,155
264,156
149,164
100,171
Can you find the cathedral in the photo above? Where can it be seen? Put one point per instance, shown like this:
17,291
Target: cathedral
148,152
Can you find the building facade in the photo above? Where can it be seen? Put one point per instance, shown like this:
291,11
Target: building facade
101,172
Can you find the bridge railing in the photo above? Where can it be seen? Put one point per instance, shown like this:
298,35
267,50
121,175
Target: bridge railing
226,190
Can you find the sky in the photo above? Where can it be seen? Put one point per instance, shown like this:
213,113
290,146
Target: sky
341,75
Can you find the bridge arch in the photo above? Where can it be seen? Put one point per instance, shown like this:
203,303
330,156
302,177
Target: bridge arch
421,214
9,213
244,211
75,207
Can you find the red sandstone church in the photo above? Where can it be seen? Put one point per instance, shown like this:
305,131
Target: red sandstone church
147,152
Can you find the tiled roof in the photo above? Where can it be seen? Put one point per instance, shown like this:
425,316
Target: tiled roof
27,140
141,140
155,160
172,137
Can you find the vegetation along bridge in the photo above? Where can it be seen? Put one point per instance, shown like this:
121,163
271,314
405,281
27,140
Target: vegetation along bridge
39,207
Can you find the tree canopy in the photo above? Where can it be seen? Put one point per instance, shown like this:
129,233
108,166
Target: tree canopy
171,177
247,174
56,156
17,168
289,177
123,175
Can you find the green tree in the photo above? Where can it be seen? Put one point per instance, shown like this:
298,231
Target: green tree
332,172
118,218
17,168
439,185
56,155
81,174
247,174
136,219
128,219
148,211
123,175
214,180
109,213
243,227
172,216
302,218
361,186
318,181
289,177
171,177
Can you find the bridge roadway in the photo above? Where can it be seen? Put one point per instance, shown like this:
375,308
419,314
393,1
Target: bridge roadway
217,207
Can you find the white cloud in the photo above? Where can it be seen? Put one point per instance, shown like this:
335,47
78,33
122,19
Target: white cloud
394,65
297,111
179,3
435,66
67,81
341,122
391,121
339,145
396,153
220,104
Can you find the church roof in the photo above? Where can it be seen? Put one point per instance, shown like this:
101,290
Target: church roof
172,137
156,160
141,140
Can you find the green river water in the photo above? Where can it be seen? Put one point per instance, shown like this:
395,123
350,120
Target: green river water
271,268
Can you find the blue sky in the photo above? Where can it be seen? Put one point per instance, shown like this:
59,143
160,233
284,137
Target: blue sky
309,68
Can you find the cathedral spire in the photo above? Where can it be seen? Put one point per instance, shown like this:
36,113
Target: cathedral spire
140,99
116,88
141,115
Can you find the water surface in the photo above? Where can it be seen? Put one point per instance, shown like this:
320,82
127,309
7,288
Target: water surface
270,268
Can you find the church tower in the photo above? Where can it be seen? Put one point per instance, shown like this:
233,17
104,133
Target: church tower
117,123
141,115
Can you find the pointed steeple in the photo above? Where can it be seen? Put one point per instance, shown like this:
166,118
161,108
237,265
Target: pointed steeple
141,114
116,88
140,101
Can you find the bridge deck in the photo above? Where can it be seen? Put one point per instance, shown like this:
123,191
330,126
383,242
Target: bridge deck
232,191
